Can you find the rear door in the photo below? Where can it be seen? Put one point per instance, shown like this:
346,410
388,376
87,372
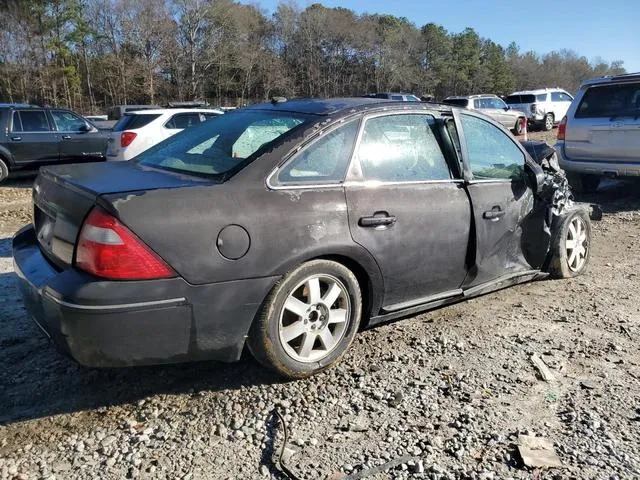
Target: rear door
500,199
561,102
408,208
32,140
179,122
605,124
79,141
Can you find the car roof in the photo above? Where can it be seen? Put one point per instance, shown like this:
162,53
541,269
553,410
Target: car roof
467,97
608,79
18,105
331,106
160,111
538,91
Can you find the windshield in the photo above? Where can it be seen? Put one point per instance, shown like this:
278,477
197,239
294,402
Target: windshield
516,99
223,143
610,101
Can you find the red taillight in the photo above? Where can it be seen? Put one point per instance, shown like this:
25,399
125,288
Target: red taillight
108,249
562,128
126,138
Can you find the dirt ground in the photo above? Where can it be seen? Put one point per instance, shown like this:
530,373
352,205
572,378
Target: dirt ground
448,391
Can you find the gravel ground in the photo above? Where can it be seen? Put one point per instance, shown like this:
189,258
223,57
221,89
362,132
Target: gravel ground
451,389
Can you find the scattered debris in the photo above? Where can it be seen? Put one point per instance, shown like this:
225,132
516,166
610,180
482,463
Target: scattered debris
537,452
545,373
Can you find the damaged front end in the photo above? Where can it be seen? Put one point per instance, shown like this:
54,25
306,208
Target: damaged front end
553,199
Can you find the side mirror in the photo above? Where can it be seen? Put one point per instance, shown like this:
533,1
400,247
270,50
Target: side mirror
86,128
507,108
534,177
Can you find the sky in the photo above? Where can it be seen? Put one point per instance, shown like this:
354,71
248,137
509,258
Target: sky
594,28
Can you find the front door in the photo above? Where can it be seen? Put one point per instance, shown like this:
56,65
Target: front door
79,142
32,141
502,203
408,208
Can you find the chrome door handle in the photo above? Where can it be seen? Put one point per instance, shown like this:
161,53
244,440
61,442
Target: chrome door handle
66,137
16,139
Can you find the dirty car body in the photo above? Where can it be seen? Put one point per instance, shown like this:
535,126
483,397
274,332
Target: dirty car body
413,199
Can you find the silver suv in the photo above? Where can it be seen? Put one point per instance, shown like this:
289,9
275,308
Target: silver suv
492,106
601,133
544,107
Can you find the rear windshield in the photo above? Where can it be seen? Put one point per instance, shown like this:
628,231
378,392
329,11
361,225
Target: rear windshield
610,101
516,99
132,121
223,143
460,102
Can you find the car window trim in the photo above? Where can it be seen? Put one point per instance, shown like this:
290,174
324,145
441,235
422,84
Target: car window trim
50,131
469,178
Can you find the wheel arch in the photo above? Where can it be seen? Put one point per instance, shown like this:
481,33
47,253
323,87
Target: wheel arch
6,157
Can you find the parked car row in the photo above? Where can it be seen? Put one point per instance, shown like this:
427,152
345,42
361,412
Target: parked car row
31,136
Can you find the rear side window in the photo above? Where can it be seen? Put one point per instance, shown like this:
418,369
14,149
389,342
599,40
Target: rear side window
560,97
492,153
325,161
133,121
402,148
459,102
31,121
610,101
397,97
183,120
541,97
515,99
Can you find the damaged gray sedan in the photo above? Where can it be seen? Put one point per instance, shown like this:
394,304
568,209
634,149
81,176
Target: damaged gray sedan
288,226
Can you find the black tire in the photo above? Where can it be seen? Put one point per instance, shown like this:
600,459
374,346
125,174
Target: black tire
4,170
548,122
519,127
583,183
561,265
265,342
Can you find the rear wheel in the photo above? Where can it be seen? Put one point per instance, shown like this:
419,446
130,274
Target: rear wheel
4,170
308,321
571,245
548,122
583,183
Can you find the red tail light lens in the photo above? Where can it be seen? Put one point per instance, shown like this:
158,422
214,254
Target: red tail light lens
126,138
108,249
562,128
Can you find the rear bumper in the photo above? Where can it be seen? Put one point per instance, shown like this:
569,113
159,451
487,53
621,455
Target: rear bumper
110,324
595,166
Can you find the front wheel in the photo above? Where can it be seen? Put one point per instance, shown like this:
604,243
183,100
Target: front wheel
548,122
308,321
571,245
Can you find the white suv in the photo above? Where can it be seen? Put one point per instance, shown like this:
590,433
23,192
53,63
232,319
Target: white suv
138,131
544,107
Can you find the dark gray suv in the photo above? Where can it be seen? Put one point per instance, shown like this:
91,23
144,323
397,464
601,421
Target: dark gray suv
34,136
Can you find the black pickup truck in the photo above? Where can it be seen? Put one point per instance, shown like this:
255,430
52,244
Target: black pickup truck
34,136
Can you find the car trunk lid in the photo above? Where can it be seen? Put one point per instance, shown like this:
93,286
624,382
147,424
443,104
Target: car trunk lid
64,195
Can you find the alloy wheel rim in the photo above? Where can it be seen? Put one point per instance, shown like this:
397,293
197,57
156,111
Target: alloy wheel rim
314,318
577,245
549,122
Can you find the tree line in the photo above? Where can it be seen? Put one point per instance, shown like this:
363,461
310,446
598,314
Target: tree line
90,54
